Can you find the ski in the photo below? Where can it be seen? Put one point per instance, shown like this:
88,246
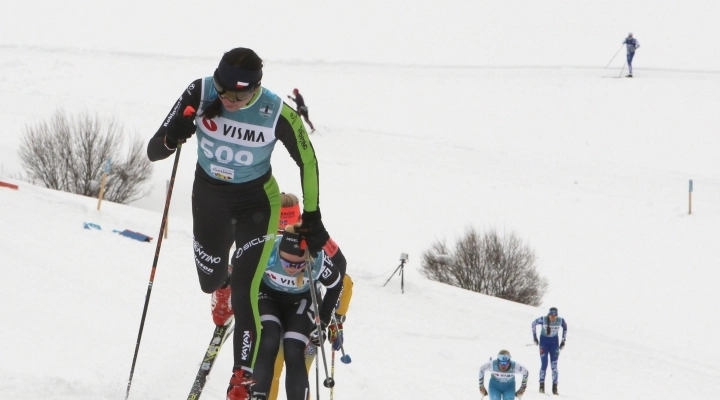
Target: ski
219,336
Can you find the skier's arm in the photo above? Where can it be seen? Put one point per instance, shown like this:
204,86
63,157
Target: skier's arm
564,326
485,367
156,149
534,324
345,296
519,369
331,276
291,132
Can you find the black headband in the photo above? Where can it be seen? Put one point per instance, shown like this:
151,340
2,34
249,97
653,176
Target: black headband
290,244
234,78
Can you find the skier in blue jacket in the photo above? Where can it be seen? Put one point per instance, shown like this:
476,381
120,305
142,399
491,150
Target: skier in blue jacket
287,312
549,330
502,377
632,44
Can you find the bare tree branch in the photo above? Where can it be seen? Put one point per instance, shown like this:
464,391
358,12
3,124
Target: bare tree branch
69,154
498,266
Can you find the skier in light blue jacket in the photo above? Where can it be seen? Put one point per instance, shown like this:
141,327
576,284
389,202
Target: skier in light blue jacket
632,44
502,377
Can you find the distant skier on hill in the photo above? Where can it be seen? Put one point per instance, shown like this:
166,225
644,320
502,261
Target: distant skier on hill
632,45
502,377
302,109
549,329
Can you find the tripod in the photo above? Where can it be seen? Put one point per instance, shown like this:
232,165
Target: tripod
402,274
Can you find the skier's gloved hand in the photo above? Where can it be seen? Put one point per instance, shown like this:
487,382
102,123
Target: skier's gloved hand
317,338
179,129
562,344
483,391
520,392
535,340
313,230
336,336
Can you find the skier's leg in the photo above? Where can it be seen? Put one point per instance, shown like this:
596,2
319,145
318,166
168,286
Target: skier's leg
495,391
554,355
310,352
306,117
296,376
256,216
509,393
263,373
279,365
543,362
212,235
298,326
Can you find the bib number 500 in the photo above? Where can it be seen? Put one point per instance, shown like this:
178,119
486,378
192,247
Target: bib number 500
224,154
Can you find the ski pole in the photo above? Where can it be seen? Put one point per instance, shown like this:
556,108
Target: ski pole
332,374
329,382
345,359
317,375
189,111
618,52
621,71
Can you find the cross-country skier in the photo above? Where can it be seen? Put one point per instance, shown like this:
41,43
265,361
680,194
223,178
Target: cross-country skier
289,215
549,330
632,44
302,109
336,339
287,312
235,198
502,377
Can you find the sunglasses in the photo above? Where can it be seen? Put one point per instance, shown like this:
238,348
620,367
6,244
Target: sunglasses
292,265
504,360
233,95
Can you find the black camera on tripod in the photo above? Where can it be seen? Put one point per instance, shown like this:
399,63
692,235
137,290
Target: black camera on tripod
403,259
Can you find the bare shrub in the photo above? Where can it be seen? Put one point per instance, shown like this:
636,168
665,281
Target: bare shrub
69,154
498,266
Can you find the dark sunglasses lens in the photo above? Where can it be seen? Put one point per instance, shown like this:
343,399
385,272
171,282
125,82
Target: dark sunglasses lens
288,264
232,95
236,96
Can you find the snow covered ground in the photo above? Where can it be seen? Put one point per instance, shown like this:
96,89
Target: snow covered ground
495,115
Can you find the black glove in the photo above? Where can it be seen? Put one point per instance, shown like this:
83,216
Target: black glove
520,392
536,341
483,390
315,336
179,129
313,230
562,344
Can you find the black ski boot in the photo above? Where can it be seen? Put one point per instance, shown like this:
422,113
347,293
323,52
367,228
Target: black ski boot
542,387
628,76
555,388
